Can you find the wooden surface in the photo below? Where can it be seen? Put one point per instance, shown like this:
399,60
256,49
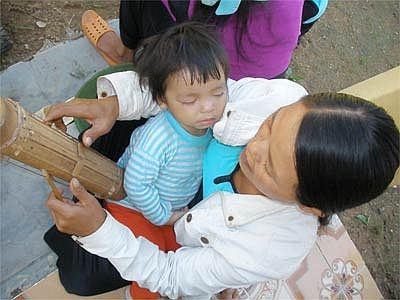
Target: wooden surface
26,138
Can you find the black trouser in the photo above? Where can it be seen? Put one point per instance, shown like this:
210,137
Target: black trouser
81,272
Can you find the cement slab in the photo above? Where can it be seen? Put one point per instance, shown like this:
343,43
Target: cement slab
51,76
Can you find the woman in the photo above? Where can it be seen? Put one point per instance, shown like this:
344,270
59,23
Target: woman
250,101
318,156
259,36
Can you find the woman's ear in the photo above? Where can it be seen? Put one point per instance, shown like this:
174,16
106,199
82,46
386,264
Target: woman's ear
312,210
162,103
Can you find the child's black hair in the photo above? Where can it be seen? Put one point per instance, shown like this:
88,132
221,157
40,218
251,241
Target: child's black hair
190,46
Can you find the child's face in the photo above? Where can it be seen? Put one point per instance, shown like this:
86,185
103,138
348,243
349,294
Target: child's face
268,161
196,107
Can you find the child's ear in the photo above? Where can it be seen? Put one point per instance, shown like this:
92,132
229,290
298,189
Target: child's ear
162,103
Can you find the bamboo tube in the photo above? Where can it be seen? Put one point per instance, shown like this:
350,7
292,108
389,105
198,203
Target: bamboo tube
25,138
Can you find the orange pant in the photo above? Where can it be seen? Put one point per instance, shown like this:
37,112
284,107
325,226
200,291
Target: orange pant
163,236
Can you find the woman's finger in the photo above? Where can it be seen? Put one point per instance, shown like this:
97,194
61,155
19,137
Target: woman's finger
81,108
60,125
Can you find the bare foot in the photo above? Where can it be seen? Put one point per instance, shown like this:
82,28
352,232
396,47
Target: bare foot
111,44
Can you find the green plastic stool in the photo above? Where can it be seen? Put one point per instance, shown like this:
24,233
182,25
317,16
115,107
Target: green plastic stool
89,89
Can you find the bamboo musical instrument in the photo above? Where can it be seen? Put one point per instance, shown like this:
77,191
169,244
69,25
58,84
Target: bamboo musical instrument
50,182
24,137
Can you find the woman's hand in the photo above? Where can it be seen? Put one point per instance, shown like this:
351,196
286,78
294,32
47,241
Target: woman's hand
101,114
81,218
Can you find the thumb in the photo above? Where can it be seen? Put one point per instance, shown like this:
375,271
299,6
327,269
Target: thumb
89,137
92,134
79,191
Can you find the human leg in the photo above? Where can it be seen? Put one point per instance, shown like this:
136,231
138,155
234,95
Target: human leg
163,236
81,272
111,44
105,40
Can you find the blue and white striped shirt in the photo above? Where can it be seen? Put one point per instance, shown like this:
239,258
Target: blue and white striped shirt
163,167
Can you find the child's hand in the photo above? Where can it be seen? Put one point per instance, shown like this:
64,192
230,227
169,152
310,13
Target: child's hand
176,215
228,294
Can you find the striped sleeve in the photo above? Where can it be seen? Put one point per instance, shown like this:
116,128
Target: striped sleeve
123,160
141,173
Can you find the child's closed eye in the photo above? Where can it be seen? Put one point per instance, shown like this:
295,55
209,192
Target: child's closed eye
189,102
219,94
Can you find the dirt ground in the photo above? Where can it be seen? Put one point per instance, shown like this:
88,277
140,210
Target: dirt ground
353,41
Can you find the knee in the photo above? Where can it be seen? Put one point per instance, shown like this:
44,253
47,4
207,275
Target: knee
87,283
77,284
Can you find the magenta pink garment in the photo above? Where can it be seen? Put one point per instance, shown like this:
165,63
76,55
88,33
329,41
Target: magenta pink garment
269,42
271,38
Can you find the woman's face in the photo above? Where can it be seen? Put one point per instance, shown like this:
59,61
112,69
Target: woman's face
268,161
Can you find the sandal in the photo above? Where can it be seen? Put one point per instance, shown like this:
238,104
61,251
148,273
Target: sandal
93,27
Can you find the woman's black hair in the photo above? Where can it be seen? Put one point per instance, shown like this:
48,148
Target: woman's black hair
190,46
347,152
204,13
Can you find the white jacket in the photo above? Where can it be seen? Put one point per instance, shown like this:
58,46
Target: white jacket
229,240
251,101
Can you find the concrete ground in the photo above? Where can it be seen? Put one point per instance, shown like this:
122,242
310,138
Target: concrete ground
45,79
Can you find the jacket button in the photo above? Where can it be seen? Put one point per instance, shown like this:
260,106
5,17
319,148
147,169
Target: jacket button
230,218
103,94
189,218
204,240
